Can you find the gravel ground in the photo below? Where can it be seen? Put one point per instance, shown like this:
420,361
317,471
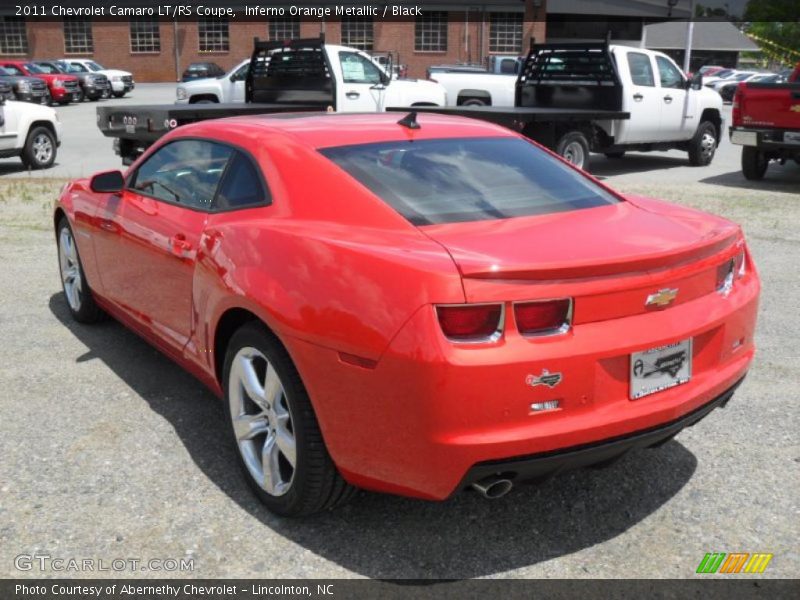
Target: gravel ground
111,451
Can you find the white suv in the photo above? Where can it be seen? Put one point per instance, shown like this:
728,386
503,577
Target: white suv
121,81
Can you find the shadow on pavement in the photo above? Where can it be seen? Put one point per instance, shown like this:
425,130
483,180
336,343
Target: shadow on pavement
389,537
600,166
784,178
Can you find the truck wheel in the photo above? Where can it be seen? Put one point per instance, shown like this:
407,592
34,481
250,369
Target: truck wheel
615,154
473,102
119,94
574,148
703,145
754,163
274,429
40,149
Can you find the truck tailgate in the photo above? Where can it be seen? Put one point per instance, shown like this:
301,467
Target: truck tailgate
774,105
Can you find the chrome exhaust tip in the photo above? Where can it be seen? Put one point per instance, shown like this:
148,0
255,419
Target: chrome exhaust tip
493,487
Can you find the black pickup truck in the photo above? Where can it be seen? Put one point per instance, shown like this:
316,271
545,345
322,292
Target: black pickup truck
562,91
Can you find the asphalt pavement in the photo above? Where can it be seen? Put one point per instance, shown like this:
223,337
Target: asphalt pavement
110,451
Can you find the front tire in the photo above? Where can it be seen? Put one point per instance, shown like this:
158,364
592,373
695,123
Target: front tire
754,163
40,149
574,148
79,297
274,429
119,94
703,145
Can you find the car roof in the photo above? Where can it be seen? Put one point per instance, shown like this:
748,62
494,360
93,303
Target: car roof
323,130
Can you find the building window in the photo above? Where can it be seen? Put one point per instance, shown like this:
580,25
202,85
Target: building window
13,36
214,36
505,32
430,32
357,33
78,35
145,35
284,28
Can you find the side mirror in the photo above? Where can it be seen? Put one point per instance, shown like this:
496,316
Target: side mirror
109,182
696,82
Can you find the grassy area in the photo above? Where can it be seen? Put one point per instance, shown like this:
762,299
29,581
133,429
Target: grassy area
26,205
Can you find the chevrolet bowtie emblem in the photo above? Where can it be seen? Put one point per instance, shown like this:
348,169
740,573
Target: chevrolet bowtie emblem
662,297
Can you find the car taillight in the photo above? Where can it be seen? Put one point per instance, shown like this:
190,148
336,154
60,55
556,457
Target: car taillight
471,322
729,271
545,317
736,112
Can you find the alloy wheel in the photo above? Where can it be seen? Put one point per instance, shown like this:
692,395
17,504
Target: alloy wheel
70,269
262,422
42,148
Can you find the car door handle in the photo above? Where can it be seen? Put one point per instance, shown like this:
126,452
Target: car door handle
667,99
353,95
638,97
179,246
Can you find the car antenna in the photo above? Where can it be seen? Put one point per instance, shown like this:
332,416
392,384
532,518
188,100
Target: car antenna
410,121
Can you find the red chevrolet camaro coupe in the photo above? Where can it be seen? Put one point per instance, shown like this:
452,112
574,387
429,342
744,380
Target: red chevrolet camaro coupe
413,307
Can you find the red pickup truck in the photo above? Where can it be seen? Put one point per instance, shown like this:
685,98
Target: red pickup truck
766,123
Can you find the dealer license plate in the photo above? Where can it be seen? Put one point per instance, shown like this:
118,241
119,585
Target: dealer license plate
791,137
660,368
744,138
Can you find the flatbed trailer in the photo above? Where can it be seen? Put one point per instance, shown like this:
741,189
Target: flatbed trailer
135,128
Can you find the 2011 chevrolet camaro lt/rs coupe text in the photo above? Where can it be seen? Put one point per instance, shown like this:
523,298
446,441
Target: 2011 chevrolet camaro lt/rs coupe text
414,307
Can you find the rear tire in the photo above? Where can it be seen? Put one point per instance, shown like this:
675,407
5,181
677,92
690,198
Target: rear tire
275,432
754,163
77,293
574,148
40,149
474,102
703,145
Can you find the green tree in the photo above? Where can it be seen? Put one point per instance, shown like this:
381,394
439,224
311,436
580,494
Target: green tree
778,40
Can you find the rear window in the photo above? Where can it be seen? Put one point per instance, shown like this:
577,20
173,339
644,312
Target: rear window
467,179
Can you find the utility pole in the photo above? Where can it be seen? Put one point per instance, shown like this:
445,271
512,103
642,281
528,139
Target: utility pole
177,51
687,59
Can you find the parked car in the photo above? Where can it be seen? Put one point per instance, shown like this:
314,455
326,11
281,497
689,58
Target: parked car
29,131
122,82
26,89
718,76
360,84
226,88
93,86
766,123
387,323
63,88
202,70
709,70
726,88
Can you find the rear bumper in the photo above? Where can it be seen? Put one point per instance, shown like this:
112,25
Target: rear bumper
765,139
429,414
539,467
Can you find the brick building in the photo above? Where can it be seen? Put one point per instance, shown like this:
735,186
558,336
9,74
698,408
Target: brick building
448,31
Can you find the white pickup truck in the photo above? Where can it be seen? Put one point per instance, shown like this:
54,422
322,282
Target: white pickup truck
29,131
582,98
361,84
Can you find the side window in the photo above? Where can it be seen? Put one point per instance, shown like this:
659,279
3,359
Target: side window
242,185
185,172
671,77
79,68
13,70
240,74
641,69
357,69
